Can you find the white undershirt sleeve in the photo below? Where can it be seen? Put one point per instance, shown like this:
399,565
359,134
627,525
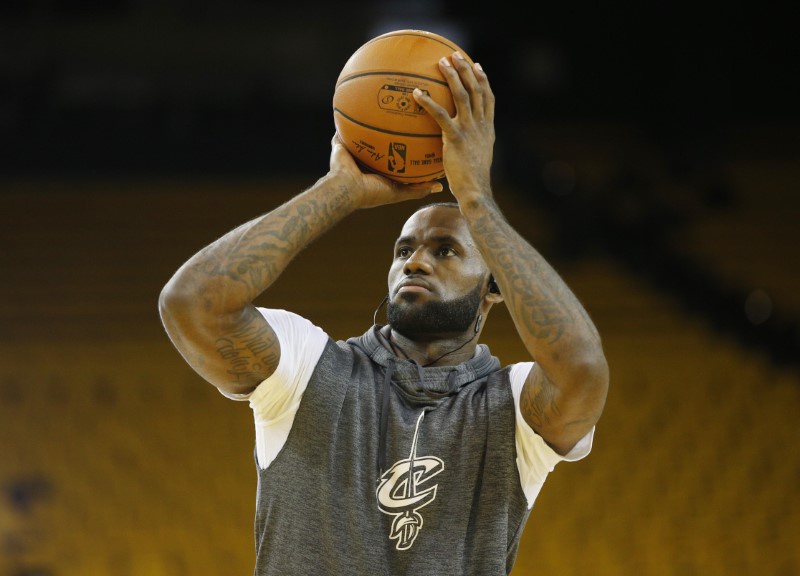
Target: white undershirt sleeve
535,459
275,400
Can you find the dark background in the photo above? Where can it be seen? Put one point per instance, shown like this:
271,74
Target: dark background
131,89
245,87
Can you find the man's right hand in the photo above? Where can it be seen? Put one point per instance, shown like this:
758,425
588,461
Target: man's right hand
369,190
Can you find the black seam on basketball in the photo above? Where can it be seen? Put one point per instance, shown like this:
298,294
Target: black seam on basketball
384,72
415,35
383,131
399,177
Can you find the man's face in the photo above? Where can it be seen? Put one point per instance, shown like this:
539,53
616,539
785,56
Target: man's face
437,276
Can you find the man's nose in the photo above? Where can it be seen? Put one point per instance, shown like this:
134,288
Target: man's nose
417,263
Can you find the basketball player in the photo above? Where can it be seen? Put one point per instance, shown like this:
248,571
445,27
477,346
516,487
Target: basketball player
408,449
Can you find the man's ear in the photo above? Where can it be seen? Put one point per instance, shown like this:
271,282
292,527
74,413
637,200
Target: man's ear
493,294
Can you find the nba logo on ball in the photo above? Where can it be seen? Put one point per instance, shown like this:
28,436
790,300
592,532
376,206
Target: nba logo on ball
376,116
396,163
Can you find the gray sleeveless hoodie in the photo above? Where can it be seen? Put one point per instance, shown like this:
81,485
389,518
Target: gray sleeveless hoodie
394,469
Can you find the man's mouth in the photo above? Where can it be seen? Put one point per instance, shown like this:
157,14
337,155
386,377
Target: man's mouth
413,286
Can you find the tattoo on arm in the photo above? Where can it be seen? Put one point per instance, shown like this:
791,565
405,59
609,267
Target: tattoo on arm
255,254
538,402
543,314
250,352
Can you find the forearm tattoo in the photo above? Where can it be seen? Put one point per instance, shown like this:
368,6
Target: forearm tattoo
535,295
256,253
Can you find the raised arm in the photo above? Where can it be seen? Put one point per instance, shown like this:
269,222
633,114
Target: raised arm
566,389
206,307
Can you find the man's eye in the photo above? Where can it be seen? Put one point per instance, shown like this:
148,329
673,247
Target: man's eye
446,251
403,252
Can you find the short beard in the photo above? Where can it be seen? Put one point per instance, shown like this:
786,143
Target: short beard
431,318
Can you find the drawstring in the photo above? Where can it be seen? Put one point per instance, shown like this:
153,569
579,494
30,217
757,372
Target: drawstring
387,381
387,384
420,373
378,349
413,455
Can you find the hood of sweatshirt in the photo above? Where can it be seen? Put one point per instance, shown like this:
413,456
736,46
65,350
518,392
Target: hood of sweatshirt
420,387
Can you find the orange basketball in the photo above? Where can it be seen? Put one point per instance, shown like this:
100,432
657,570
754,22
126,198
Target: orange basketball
374,110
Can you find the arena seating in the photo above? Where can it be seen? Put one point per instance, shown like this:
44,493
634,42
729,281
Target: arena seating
118,459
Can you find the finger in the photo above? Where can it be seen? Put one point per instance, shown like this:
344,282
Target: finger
421,189
437,112
340,155
399,192
457,90
336,144
486,90
474,89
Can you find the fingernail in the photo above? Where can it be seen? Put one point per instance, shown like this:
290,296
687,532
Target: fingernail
444,61
478,67
417,91
458,55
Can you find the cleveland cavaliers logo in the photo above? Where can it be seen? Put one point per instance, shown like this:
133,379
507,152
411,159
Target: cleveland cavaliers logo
404,489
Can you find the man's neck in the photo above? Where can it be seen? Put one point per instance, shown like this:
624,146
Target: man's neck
445,351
